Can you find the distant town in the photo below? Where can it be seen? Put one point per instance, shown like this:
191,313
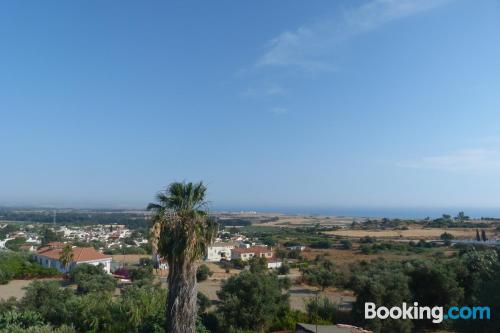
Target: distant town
323,257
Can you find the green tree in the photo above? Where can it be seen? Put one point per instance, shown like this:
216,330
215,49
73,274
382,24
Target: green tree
258,264
203,273
49,300
50,235
252,300
446,238
66,257
461,217
382,283
181,232
322,274
90,278
346,244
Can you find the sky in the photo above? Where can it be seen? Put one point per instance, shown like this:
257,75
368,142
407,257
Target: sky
374,103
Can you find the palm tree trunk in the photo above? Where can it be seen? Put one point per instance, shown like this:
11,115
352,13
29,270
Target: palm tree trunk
181,299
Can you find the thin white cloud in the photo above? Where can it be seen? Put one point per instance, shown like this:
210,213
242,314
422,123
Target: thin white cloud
269,90
275,90
464,160
311,47
278,110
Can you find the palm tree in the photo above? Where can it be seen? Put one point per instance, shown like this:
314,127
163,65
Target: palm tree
66,256
181,233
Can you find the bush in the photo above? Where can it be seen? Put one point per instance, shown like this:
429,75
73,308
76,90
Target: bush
322,310
90,278
252,301
346,244
367,239
321,244
23,319
38,329
203,302
237,263
203,273
284,269
144,274
20,266
49,300
447,238
294,254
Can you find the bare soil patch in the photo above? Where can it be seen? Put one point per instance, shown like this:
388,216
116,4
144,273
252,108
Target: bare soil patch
15,288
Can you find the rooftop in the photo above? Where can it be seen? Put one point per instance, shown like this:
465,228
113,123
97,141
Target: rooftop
253,249
80,254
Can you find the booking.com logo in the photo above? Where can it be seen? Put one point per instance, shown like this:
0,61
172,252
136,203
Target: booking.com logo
436,313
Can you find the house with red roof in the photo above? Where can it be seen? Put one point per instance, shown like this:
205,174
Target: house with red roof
247,253
49,256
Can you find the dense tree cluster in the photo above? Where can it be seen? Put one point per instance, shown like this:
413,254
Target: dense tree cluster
252,300
77,217
21,266
460,281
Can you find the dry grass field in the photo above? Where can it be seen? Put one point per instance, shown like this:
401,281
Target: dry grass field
303,220
129,259
411,234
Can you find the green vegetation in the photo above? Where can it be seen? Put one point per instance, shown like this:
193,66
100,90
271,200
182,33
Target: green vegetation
9,228
321,274
457,281
320,310
253,300
14,244
203,273
136,309
396,247
90,278
346,244
21,266
127,250
182,231
76,217
446,238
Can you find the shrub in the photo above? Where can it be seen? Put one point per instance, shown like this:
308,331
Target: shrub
20,266
203,273
346,244
90,278
252,301
284,269
367,239
321,244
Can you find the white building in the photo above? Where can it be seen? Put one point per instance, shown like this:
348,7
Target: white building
219,251
49,257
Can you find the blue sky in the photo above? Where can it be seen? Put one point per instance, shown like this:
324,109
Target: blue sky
377,103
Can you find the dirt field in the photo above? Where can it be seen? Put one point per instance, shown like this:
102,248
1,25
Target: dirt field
130,259
15,288
414,234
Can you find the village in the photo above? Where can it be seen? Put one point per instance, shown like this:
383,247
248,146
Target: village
319,255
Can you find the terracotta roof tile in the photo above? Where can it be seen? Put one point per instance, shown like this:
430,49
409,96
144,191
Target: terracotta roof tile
80,254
